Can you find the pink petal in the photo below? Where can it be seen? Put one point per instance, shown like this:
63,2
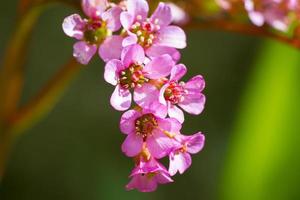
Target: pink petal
158,109
121,99
172,36
142,184
112,18
257,18
132,145
73,26
84,52
175,112
129,40
155,51
159,144
193,104
133,54
195,143
162,15
171,125
127,123
163,178
179,16
159,67
138,7
179,162
126,20
162,99
94,8
111,48
111,71
146,95
178,72
195,84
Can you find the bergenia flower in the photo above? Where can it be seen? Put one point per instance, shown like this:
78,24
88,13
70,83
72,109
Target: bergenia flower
147,175
174,95
154,34
272,12
180,158
150,129
131,73
95,32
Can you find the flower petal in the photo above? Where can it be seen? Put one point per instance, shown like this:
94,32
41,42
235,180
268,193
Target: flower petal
133,54
172,36
193,104
195,143
94,8
111,48
129,40
161,97
179,162
170,125
159,67
142,183
121,99
163,178
112,18
162,15
84,52
156,50
127,123
175,112
111,71
126,20
146,95
138,7
179,16
178,72
132,145
73,26
195,85
159,144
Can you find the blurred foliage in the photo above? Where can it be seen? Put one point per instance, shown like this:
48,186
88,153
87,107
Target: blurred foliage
263,162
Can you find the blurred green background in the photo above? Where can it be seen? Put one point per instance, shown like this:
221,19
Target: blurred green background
251,122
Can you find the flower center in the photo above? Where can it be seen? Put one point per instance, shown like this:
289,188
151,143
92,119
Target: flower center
132,77
145,124
175,92
95,31
145,31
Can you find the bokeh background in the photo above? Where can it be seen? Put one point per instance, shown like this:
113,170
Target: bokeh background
251,122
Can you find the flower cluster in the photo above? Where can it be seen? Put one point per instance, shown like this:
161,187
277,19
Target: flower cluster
141,55
279,14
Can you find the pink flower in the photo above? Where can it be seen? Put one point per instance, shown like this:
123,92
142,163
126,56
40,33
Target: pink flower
95,32
147,175
273,12
175,94
131,73
150,129
180,158
154,34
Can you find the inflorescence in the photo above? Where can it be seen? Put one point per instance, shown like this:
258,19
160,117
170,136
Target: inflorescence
141,55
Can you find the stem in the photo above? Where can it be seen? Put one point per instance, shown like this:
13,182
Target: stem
45,100
247,29
11,74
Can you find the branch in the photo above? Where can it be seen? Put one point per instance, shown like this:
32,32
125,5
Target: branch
247,29
11,74
45,100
